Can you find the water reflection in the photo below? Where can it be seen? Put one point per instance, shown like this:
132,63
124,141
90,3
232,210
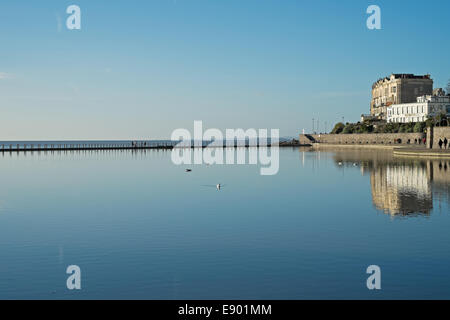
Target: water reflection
401,186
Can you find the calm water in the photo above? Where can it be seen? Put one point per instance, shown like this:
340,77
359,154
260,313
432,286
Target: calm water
141,227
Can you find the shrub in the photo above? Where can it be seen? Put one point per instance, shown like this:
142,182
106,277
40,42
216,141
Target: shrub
429,123
349,128
419,127
338,128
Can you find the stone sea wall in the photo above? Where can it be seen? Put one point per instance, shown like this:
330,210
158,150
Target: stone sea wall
364,139
439,133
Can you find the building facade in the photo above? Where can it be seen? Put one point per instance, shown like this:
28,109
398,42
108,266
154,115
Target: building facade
425,107
398,89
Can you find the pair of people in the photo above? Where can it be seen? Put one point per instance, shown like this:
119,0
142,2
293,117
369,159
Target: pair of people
443,143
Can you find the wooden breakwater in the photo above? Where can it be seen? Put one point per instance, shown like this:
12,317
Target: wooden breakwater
30,147
82,146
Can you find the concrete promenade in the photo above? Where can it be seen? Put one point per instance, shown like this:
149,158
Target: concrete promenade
422,153
353,146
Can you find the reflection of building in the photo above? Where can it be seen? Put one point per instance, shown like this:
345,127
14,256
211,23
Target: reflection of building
400,186
396,89
423,108
440,173
401,189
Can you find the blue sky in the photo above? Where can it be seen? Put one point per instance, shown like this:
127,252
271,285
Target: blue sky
140,69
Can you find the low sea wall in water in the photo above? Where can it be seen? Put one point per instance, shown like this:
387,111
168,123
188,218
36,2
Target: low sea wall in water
364,139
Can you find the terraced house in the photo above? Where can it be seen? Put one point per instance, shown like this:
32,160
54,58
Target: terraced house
425,107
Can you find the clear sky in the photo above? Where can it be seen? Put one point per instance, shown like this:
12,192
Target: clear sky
140,69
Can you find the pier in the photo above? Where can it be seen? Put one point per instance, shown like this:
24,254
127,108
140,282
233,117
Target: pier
84,146
30,147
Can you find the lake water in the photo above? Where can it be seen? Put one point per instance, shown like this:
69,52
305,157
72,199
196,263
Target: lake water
141,227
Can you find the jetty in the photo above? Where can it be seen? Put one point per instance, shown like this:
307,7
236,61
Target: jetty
138,145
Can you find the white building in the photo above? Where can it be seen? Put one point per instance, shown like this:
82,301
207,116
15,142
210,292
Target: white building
425,107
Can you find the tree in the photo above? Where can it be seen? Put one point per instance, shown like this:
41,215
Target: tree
410,127
349,128
396,127
390,128
441,120
403,128
379,129
419,127
338,128
363,128
406,127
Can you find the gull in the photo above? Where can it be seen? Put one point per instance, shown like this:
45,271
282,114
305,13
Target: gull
218,186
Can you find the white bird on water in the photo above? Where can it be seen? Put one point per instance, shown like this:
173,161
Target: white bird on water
218,186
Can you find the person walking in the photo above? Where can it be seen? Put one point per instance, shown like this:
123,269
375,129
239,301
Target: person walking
440,143
445,143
